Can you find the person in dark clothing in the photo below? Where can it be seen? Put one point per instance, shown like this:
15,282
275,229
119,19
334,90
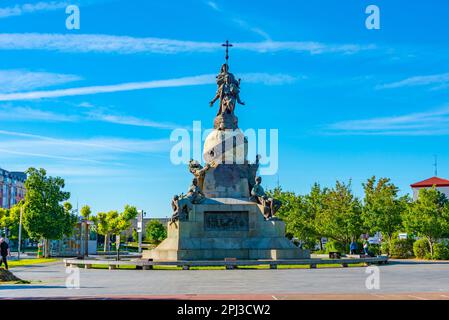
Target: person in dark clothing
353,247
4,252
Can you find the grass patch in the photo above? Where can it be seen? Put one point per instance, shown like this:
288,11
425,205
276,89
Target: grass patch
27,262
105,266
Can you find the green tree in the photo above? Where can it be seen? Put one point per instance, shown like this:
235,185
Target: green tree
44,217
113,223
299,213
101,226
340,217
428,216
85,213
315,204
135,235
10,218
382,210
155,231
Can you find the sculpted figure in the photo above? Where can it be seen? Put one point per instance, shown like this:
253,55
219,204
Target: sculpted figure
221,78
228,92
180,208
199,171
181,205
271,206
195,194
252,172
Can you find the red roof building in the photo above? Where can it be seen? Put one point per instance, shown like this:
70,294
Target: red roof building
434,181
442,185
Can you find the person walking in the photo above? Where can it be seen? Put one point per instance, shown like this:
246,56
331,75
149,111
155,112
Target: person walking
4,252
353,247
365,247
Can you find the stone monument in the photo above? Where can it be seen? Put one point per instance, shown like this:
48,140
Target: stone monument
225,213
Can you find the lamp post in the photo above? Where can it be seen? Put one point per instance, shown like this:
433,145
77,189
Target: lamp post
19,247
140,215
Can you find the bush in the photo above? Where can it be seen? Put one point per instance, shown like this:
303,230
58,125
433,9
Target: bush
421,249
155,231
385,247
401,248
440,251
375,249
334,246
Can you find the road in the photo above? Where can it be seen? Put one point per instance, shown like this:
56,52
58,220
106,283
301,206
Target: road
397,280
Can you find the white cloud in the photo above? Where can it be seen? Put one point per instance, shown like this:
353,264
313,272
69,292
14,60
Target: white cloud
213,5
90,146
82,43
108,152
18,80
178,82
245,25
305,46
188,81
19,10
269,79
129,120
10,113
414,124
440,79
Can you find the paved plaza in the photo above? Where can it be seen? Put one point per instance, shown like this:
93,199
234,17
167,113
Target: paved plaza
398,280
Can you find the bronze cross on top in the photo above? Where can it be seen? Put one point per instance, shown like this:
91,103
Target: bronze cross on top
227,45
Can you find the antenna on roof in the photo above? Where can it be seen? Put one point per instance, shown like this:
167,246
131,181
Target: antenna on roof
435,164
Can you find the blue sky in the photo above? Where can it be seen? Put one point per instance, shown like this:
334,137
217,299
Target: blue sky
348,102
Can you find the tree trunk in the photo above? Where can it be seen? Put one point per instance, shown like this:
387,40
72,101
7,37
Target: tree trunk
46,248
42,241
431,246
106,242
86,240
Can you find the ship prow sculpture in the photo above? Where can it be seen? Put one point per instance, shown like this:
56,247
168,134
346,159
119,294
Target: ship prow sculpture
225,213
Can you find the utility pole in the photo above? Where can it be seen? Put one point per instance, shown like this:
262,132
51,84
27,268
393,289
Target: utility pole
435,164
20,233
139,228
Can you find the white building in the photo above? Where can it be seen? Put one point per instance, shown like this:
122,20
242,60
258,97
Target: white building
441,185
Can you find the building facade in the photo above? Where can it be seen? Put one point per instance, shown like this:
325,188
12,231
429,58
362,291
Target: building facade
440,184
12,188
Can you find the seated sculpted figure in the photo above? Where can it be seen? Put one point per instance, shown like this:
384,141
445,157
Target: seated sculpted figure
195,194
271,206
180,208
183,204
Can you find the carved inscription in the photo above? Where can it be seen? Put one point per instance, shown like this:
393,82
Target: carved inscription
226,221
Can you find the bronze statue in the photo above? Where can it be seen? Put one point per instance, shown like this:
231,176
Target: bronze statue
199,171
180,206
258,195
252,172
195,194
229,95
228,88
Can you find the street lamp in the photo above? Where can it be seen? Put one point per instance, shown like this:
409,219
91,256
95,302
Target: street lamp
20,233
140,215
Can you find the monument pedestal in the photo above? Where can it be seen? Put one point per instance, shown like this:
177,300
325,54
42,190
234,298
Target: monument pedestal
226,228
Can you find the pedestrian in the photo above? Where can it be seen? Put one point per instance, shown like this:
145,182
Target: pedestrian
353,247
4,252
365,247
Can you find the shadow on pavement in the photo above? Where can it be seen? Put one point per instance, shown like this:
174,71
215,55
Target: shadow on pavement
397,261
